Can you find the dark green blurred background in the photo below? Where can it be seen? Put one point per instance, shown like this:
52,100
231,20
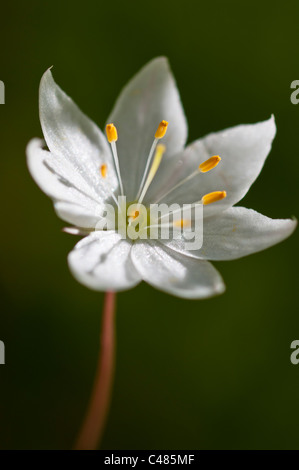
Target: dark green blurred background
212,374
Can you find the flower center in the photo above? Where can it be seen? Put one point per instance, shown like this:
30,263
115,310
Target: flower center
135,216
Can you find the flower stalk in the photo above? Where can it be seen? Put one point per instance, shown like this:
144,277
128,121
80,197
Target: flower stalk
94,424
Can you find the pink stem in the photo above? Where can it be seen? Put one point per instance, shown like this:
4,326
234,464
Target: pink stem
93,426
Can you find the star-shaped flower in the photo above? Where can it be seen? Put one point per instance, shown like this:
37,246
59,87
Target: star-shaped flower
81,172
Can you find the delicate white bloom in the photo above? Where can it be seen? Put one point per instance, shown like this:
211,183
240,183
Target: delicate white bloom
81,172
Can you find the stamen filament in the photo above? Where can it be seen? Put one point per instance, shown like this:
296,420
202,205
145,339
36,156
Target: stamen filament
180,223
204,167
155,165
149,161
205,200
178,185
167,214
113,196
112,138
116,163
166,225
160,133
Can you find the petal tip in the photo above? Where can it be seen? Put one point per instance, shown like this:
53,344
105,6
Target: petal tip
158,63
47,73
293,225
32,150
269,127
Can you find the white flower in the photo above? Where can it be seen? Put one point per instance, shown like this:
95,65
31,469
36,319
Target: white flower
79,172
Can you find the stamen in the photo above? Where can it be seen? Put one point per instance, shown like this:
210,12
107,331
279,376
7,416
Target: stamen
112,138
181,223
207,199
111,132
133,215
155,165
213,197
103,170
209,164
160,132
176,211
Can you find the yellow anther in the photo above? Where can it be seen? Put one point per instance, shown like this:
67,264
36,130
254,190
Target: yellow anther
134,215
111,133
213,197
181,223
103,170
161,131
209,164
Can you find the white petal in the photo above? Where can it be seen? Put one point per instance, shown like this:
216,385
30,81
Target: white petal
102,262
237,232
72,135
243,150
80,216
57,177
76,231
174,273
74,201
43,176
147,99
